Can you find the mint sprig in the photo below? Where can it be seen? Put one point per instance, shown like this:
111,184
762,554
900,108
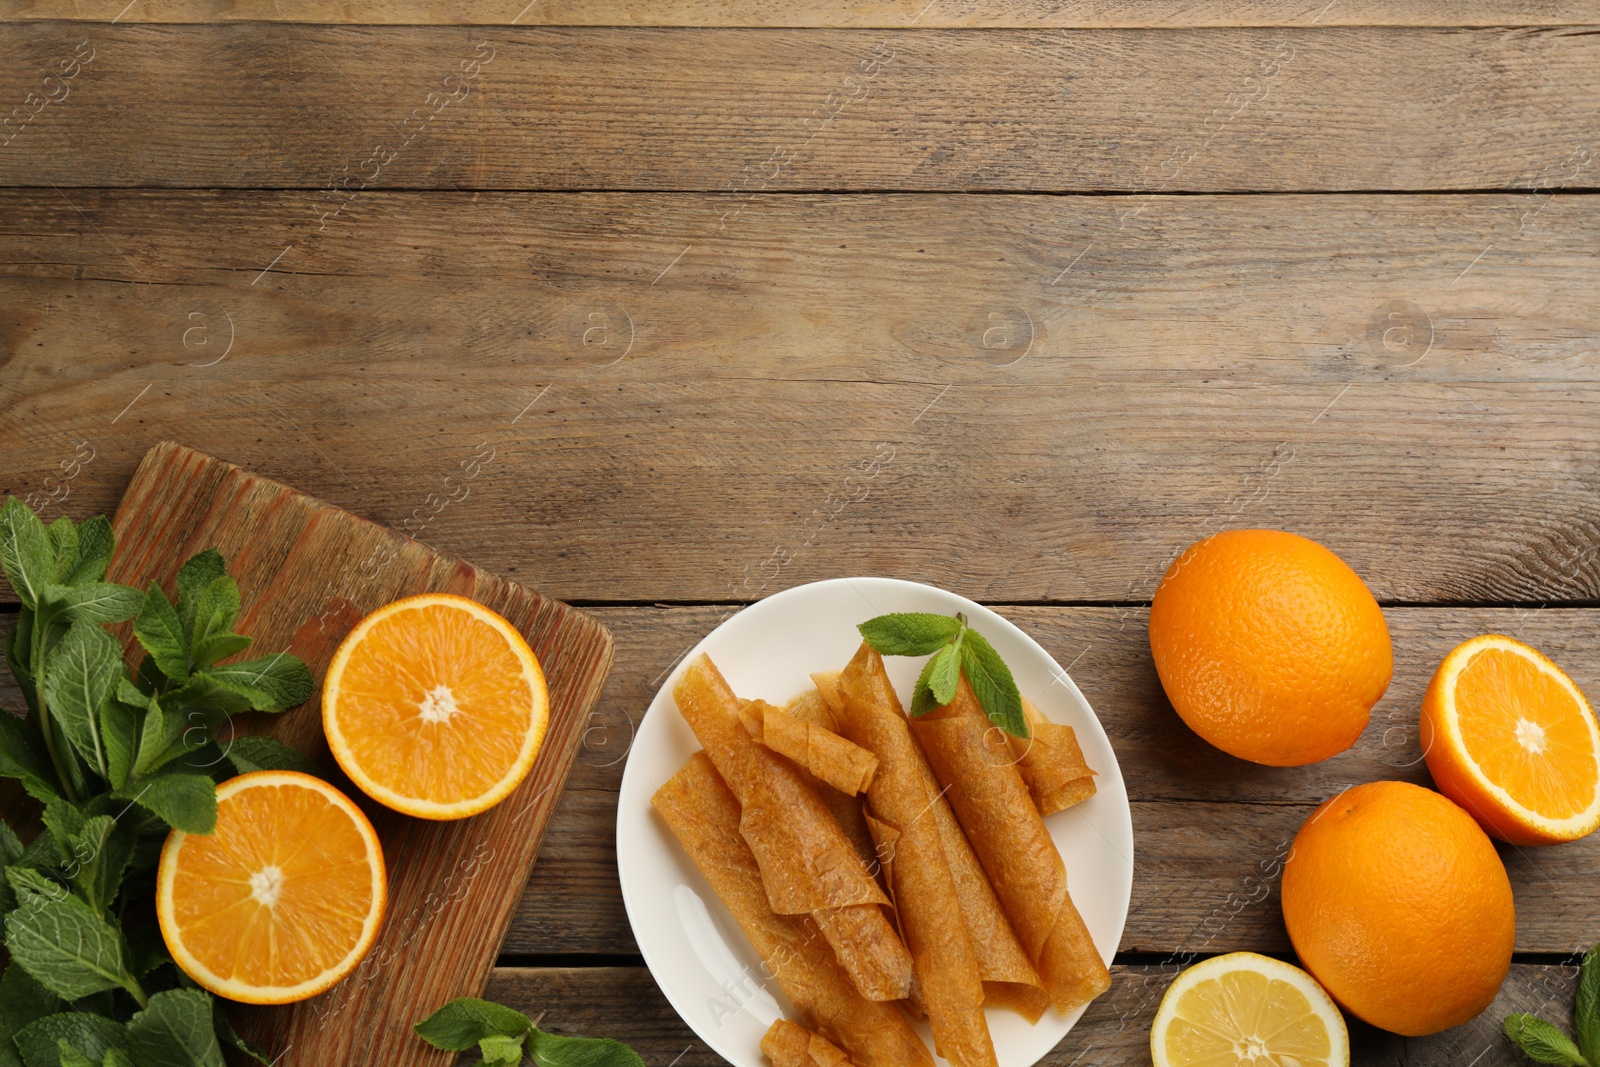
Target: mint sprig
1544,1043
117,760
504,1036
956,649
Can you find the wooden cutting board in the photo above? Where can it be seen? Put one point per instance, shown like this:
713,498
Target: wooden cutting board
307,572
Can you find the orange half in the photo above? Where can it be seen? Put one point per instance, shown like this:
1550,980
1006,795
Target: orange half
282,900
435,706
1510,738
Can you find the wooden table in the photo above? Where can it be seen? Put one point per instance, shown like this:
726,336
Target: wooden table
1018,298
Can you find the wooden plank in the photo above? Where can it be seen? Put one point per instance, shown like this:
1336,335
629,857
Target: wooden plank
252,105
853,14
306,574
1408,379
624,1003
1210,830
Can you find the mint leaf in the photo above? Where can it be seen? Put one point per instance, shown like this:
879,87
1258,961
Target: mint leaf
1586,1012
217,608
91,1035
909,633
62,942
284,678
98,602
161,633
63,819
210,649
187,802
118,1058
26,554
99,855
158,738
197,573
992,684
119,733
947,670
465,1021
497,1049
80,675
1542,1042
63,537
22,1001
922,700
24,757
95,541
18,649
175,1030
267,754
226,1035
71,1057
549,1050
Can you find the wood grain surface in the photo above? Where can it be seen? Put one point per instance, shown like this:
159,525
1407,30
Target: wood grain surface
1407,379
723,296
346,108
843,14
307,573
1114,1032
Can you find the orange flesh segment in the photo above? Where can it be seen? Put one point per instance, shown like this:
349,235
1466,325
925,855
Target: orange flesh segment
436,706
323,884
1526,733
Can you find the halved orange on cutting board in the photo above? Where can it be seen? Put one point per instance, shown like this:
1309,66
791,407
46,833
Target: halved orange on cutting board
435,706
1510,738
282,900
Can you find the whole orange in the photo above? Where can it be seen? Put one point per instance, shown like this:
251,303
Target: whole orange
1269,646
1399,905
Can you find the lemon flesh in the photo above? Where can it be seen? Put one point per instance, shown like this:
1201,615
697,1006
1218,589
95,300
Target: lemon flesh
1245,1010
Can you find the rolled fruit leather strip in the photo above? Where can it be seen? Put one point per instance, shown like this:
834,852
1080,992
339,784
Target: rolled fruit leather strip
703,814
808,865
1009,979
1051,763
843,765
976,767
788,1045
902,792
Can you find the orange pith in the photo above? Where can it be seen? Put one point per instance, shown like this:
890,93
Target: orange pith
282,900
1511,738
435,706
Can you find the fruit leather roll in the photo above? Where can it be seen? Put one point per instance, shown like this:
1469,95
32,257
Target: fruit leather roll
1009,980
992,802
847,808
1051,763
703,815
788,1045
808,865
903,791
845,766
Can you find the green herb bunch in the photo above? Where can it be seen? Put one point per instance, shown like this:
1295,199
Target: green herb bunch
1544,1043
504,1036
117,759
955,648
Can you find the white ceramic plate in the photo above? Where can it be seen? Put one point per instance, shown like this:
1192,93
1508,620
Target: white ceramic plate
694,949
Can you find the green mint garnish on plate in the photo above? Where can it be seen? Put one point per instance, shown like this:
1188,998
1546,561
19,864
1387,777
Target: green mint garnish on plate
954,648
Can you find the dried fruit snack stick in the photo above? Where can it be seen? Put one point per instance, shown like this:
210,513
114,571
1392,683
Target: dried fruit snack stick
703,814
1009,979
788,1045
997,812
845,766
903,791
1051,763
808,865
